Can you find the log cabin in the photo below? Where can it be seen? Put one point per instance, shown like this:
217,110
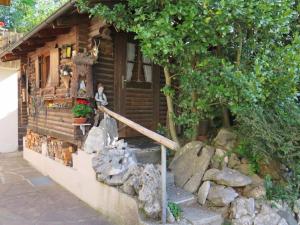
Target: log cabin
66,41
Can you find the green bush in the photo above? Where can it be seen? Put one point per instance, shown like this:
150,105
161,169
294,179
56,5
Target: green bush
274,133
81,110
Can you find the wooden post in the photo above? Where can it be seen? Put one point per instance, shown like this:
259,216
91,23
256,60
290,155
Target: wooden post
164,184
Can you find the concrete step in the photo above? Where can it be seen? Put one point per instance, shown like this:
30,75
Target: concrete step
179,196
150,155
170,179
200,216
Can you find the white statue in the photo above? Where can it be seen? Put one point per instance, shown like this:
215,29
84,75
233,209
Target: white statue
101,100
100,97
82,85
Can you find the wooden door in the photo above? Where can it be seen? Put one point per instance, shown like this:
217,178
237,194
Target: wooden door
138,87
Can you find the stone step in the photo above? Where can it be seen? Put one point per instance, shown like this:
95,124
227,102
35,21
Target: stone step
149,155
179,196
170,179
200,216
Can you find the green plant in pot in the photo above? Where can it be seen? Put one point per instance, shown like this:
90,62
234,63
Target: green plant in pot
81,111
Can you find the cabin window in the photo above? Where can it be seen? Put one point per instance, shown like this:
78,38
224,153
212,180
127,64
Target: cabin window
43,70
139,68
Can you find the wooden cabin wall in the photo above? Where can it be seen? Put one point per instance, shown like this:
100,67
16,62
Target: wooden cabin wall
53,122
103,70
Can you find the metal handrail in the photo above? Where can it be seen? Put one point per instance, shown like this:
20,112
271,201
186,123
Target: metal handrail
165,142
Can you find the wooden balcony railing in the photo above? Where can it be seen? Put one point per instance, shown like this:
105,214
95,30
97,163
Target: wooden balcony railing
164,142
7,38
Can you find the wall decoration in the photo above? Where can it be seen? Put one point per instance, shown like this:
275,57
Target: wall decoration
65,74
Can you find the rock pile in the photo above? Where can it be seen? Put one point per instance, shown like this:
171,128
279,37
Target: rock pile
115,164
223,183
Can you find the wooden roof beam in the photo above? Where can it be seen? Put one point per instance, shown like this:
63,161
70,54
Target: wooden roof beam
10,57
69,21
50,32
24,50
39,40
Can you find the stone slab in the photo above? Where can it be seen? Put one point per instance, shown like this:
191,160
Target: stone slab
179,196
198,216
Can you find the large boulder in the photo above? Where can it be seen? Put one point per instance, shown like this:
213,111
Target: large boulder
228,177
225,139
220,195
190,164
96,140
149,194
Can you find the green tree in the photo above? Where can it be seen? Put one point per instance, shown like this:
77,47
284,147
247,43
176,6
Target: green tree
216,50
23,15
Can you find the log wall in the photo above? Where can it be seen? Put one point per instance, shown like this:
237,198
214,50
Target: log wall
42,119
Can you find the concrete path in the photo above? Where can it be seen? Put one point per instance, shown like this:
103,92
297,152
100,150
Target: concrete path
29,198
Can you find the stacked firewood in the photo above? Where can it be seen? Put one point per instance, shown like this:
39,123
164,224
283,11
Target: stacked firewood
60,151
34,141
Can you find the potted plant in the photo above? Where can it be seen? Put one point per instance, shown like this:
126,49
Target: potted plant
81,111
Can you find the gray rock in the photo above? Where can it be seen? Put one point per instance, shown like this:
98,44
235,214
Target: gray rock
244,220
109,125
267,216
190,164
283,222
149,194
222,210
288,216
112,167
229,177
203,192
96,140
131,186
210,173
243,207
221,196
225,139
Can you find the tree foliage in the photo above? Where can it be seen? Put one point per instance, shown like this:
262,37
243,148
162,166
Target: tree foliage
229,54
23,15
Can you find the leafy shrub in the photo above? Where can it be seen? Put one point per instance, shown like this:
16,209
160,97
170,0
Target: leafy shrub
274,133
81,110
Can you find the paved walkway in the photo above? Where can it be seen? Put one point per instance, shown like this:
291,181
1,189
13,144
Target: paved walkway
29,198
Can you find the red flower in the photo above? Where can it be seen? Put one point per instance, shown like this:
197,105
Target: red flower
83,101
